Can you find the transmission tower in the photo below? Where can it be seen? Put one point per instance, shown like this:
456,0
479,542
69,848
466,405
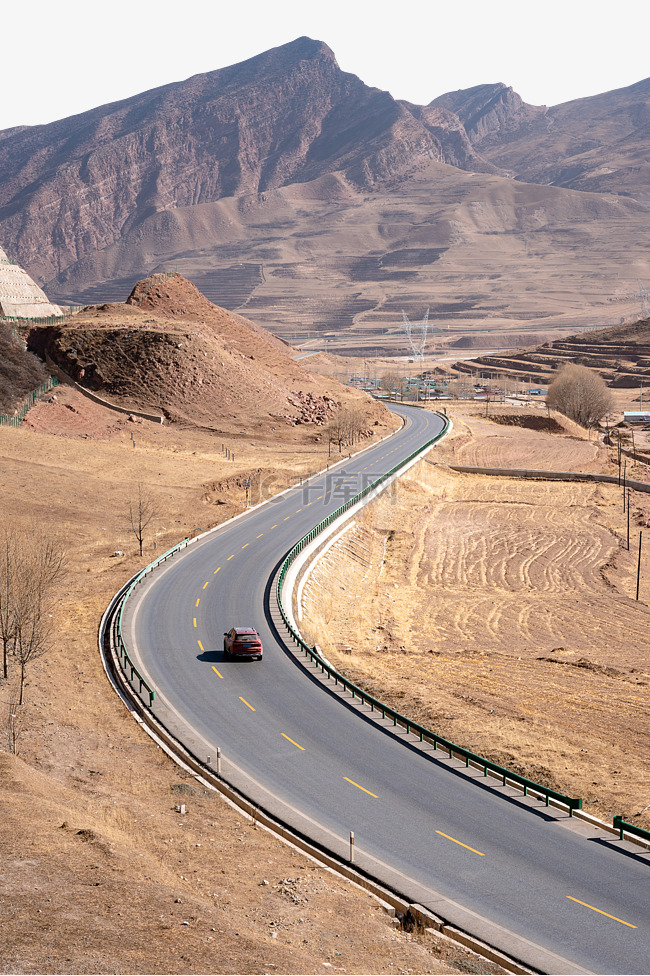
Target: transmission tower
643,295
423,327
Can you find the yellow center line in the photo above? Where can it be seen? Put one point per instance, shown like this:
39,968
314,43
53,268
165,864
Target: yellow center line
319,498
302,748
274,526
245,544
217,672
246,703
286,519
230,557
629,924
197,601
298,510
217,570
195,621
206,584
360,787
260,535
200,644
472,849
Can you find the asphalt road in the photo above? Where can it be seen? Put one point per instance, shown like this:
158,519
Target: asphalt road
551,890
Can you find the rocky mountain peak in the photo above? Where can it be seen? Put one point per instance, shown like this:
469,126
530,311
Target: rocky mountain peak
489,112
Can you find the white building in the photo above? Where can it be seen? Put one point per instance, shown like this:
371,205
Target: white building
19,295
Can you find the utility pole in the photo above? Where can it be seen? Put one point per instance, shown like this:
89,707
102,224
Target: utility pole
638,568
628,519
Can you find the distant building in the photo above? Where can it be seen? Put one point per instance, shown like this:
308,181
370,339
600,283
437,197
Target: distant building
20,296
636,416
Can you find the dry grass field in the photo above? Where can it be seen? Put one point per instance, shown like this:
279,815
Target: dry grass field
501,613
99,871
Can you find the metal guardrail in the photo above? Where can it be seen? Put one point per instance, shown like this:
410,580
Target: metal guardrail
628,828
453,750
125,661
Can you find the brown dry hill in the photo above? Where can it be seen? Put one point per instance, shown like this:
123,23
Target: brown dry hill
168,349
621,354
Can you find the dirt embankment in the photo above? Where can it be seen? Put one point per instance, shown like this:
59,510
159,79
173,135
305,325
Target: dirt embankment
169,350
501,613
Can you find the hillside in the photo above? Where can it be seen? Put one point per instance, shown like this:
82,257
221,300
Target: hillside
290,191
289,115
621,355
598,144
168,349
20,371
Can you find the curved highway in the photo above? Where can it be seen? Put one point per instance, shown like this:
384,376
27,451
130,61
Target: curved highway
550,890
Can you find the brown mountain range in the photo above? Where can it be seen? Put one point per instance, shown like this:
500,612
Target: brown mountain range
598,144
291,191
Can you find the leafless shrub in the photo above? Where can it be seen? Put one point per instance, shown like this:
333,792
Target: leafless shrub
14,719
580,394
20,371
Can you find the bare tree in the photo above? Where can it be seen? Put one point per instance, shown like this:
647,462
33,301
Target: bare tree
346,426
31,564
31,639
41,564
580,394
142,511
390,381
8,583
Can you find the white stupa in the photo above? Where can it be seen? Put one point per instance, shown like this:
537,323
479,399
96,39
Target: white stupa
19,295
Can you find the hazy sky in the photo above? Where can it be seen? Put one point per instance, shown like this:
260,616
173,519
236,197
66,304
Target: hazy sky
62,57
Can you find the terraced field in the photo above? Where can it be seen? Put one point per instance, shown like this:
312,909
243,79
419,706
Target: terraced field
502,612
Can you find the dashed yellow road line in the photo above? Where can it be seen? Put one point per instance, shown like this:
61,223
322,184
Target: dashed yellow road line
195,621
274,526
260,535
206,584
600,912
460,843
246,703
217,570
302,748
298,510
230,557
198,600
286,519
200,645
360,787
245,544
217,672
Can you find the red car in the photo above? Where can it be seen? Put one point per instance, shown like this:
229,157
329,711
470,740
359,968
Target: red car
242,642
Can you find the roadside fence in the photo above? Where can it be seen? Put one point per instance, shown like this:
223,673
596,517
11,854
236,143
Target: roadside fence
15,420
127,664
